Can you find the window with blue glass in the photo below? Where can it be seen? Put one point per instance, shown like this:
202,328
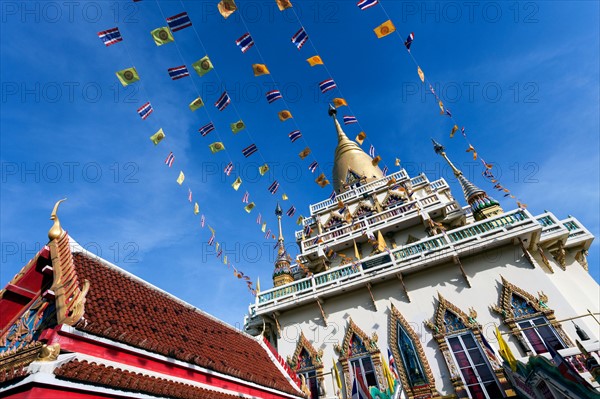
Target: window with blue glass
307,370
361,362
411,362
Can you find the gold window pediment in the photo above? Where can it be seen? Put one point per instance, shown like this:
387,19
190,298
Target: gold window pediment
315,356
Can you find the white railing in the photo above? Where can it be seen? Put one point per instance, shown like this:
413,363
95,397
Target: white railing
401,257
357,192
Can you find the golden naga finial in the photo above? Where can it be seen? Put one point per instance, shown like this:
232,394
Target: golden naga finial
56,230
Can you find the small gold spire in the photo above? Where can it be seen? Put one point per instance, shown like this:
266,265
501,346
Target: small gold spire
440,150
56,230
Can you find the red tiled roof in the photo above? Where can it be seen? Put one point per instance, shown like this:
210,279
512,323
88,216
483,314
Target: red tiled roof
124,309
107,376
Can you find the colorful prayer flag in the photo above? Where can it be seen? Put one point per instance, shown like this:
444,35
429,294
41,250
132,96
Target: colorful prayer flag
206,129
180,178
339,102
322,180
237,183
300,38
162,36
223,101
327,85
360,138
333,195
258,218
397,163
196,208
421,74
372,151
179,22
260,69
376,161
274,187
283,4
248,208
273,96
228,168
409,40
448,113
314,60
178,72
263,169
128,76
313,166
471,149
295,135
196,104
246,197
263,228
158,136
284,197
384,29
251,149
170,159
268,234
216,147
226,8
284,115
290,212
110,36
202,221
245,42
203,66
237,126
189,195
441,105
349,120
364,4
385,171
304,153
299,220
145,110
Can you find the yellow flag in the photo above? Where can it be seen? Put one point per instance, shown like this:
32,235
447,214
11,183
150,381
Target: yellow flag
158,136
338,380
181,178
384,29
217,247
263,169
505,351
237,126
376,160
260,69
453,131
263,228
339,102
257,285
356,253
283,4
361,137
203,66
212,231
299,220
441,105
284,197
162,36
237,183
128,76
421,74
314,60
304,153
397,162
226,8
380,242
284,115
322,180
248,208
196,208
197,103
472,149
224,259
216,147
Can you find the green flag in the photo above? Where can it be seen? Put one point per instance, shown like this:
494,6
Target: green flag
158,136
128,76
162,36
197,103
237,126
203,66
216,147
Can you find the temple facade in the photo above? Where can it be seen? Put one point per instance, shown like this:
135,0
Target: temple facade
74,325
400,287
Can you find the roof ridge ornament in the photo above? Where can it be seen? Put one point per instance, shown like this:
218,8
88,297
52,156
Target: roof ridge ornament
56,231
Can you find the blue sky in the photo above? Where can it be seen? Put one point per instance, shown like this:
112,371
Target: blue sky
523,78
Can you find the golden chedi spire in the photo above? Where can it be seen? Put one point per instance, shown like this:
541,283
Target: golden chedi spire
56,231
283,273
351,164
482,205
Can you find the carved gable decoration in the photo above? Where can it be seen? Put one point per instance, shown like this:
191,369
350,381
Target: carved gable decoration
333,220
393,197
352,177
305,356
449,319
363,208
516,303
424,385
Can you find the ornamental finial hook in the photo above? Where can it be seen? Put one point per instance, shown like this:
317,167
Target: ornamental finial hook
56,230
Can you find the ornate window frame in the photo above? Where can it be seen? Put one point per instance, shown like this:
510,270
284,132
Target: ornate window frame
370,344
316,358
504,309
438,326
363,208
421,392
